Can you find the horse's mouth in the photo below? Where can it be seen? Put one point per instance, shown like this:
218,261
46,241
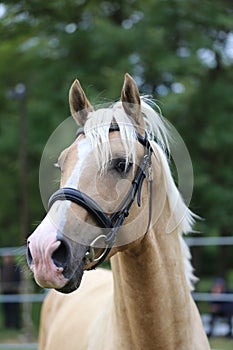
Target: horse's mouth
74,275
73,283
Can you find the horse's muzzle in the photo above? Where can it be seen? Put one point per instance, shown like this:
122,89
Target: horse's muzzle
56,263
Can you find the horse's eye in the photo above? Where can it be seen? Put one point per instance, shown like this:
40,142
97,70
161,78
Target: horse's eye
122,166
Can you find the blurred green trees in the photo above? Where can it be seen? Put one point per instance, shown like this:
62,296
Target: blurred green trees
181,52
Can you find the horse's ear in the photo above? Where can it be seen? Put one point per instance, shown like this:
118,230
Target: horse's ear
131,99
79,104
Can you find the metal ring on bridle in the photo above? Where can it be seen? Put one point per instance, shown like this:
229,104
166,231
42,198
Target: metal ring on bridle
90,255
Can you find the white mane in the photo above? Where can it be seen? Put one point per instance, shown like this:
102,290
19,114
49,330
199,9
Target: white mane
182,219
97,131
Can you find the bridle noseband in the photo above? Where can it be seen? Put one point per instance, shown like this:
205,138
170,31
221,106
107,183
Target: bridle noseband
113,222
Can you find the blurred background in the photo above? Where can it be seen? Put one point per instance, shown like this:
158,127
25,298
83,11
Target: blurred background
180,52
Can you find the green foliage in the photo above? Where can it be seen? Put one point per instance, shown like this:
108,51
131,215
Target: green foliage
178,51
210,111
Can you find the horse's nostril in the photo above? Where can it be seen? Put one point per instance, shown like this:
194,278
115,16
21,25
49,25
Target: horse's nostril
29,256
61,255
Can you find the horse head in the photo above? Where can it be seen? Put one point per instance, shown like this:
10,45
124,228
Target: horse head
104,203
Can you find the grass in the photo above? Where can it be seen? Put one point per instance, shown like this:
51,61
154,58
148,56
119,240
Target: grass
17,337
220,343
15,348
9,337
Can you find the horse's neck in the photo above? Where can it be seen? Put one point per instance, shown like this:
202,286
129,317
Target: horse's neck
151,297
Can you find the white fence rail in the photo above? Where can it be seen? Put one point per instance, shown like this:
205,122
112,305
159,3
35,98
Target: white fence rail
191,241
22,298
23,346
206,241
39,298
16,251
225,297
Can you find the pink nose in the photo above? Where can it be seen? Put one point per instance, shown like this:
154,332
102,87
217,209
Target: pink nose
48,266
58,251
48,256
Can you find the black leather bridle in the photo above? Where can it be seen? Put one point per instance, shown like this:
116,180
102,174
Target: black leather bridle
113,222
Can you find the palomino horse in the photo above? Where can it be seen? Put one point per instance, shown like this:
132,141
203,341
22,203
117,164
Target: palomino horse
104,209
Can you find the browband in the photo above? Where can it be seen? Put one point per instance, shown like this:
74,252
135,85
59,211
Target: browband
115,127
